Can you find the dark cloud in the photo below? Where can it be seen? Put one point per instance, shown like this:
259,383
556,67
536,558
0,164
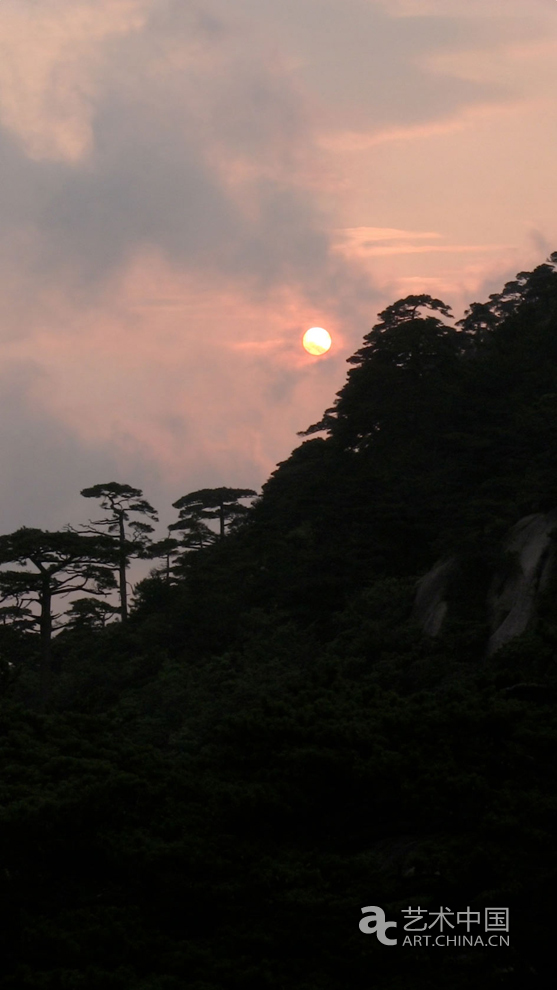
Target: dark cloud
165,131
45,464
157,174
369,69
206,127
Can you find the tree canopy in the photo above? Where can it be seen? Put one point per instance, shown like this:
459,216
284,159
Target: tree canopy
210,503
64,563
270,742
131,536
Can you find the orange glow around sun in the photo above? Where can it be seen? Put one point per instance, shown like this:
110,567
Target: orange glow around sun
316,340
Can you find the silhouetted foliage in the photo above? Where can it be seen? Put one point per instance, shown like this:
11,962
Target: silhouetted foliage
63,563
90,613
209,503
270,743
131,537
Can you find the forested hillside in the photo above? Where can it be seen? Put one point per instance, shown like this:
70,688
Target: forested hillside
212,782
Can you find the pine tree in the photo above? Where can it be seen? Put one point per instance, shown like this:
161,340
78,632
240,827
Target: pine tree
63,562
130,537
210,503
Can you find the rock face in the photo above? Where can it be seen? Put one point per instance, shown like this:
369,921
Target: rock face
512,596
430,606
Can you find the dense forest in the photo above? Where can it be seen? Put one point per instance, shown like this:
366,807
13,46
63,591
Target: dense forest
202,787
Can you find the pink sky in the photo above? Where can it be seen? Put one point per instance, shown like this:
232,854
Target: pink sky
187,187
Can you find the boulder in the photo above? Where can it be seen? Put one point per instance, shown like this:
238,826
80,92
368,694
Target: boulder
514,589
430,606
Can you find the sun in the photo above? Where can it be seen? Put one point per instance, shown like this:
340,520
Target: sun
316,340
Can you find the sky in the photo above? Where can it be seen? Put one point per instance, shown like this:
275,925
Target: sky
186,187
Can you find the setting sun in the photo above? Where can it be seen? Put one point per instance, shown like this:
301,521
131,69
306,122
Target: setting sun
316,340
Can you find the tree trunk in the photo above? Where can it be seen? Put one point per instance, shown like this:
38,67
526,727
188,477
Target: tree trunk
221,516
45,626
122,569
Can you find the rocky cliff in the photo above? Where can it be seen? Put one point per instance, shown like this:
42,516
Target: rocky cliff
528,554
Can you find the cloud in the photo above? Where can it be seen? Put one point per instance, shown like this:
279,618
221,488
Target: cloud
196,131
49,65
173,183
45,462
364,69
192,150
520,9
